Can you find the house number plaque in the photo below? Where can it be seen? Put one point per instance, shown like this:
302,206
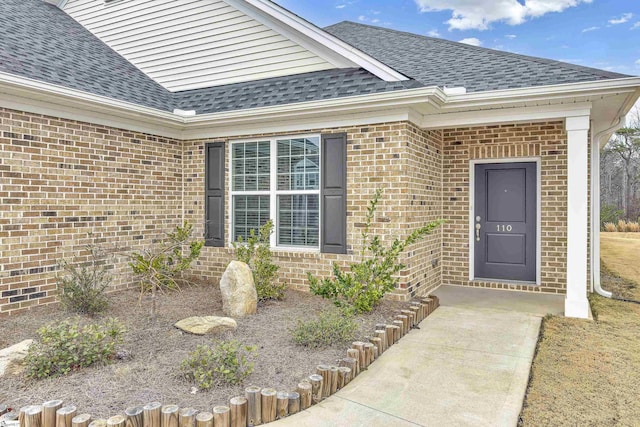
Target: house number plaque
502,228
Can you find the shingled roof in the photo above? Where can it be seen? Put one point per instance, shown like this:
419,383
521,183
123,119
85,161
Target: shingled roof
42,42
438,62
286,90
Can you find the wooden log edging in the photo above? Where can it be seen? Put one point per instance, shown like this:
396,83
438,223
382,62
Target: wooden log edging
282,404
258,406
81,420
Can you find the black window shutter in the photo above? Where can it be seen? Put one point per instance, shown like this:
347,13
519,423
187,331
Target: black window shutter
333,235
214,194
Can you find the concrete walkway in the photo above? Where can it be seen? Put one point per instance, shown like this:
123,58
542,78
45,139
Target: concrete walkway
468,364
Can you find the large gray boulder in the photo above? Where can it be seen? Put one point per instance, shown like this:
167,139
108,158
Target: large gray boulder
239,296
202,325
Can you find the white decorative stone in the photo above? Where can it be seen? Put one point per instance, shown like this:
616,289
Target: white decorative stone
11,357
239,296
202,325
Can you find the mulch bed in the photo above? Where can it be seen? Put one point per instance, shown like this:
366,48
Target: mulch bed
155,350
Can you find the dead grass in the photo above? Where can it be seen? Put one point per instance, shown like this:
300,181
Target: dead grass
587,373
151,373
620,254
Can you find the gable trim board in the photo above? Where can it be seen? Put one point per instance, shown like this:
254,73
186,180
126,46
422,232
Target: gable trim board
194,44
206,43
327,44
425,106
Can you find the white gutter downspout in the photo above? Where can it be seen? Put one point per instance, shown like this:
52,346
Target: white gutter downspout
595,206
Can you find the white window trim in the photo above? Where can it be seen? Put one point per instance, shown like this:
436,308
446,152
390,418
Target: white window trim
273,192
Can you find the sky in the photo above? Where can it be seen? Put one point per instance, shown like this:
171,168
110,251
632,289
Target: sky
603,34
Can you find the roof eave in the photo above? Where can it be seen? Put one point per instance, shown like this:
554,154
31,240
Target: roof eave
488,98
39,97
59,101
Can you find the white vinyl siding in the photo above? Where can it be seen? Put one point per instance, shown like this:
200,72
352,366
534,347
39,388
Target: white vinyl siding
190,44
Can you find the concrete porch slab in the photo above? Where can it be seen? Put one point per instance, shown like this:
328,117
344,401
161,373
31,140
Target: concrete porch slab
497,299
467,365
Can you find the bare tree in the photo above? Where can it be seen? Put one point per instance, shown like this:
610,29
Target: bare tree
620,168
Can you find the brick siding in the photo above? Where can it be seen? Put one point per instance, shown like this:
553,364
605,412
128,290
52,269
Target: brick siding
547,141
398,157
66,184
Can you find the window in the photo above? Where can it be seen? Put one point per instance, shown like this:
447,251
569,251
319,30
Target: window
278,179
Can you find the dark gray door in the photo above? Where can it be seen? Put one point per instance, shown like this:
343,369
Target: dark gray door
505,221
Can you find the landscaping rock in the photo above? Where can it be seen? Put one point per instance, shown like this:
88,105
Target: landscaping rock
10,419
206,325
11,358
239,296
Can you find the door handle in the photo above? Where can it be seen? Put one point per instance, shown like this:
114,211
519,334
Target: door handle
478,227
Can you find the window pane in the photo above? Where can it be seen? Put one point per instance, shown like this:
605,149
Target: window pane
250,166
298,220
249,213
298,164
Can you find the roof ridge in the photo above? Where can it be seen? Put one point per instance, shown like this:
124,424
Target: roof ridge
603,73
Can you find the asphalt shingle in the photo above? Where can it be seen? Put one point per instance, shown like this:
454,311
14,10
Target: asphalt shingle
40,41
286,90
438,62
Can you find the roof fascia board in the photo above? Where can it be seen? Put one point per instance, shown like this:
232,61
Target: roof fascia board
603,130
384,100
505,96
62,3
49,107
629,103
58,101
307,123
434,97
315,39
506,115
48,98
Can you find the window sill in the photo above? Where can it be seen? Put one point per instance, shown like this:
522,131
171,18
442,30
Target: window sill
282,250
508,282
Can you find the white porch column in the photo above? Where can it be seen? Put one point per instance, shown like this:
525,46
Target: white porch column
576,303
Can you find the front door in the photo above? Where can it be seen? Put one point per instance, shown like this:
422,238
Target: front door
504,226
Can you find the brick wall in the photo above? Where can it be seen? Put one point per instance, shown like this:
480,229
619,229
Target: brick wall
398,157
422,172
66,184
61,181
548,141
